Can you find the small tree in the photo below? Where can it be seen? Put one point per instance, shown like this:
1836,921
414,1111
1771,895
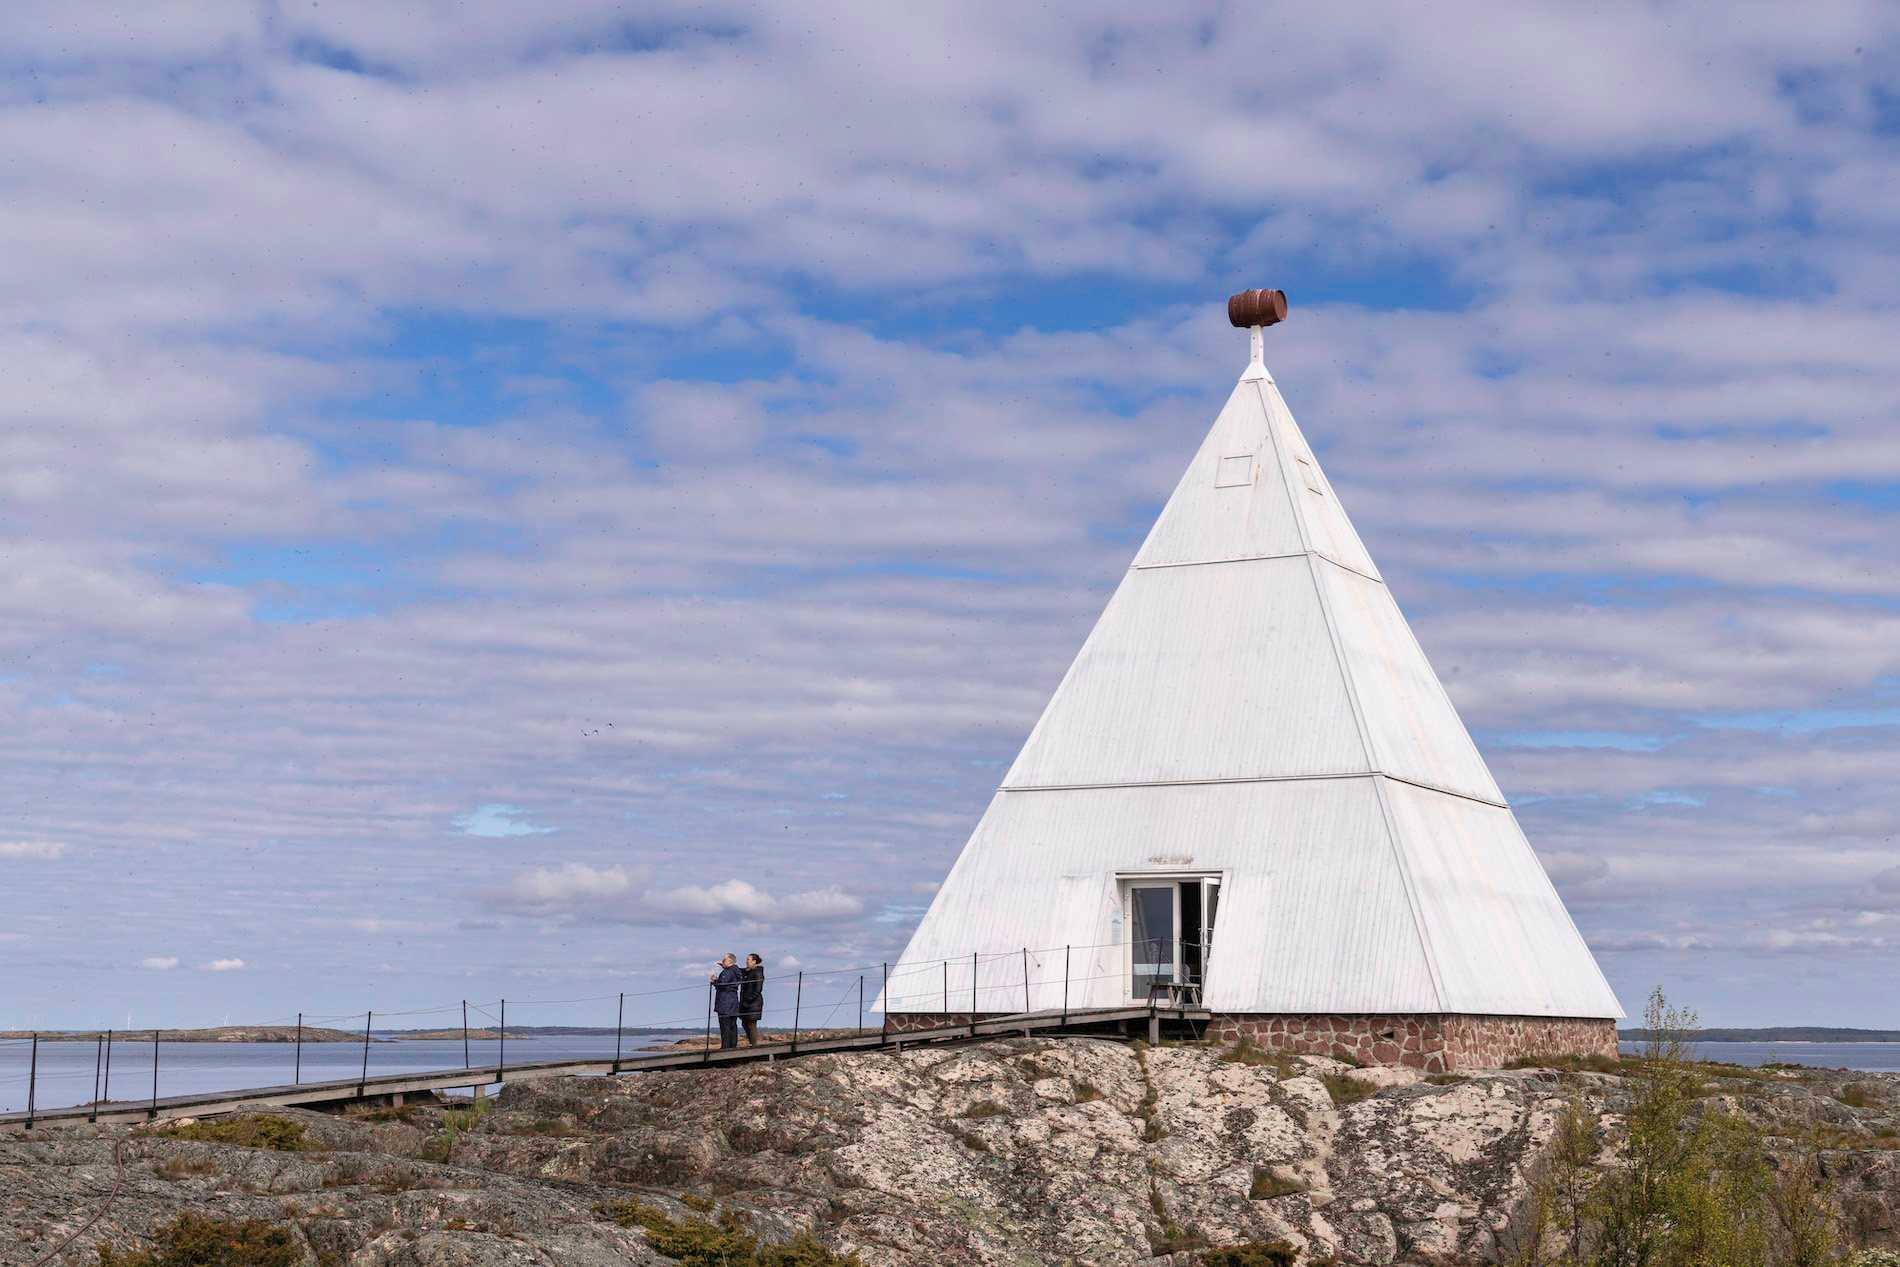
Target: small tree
1637,1203
1804,1210
1700,1186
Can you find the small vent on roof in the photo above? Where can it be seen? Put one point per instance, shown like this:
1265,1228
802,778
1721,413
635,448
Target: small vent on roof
1310,477
1234,472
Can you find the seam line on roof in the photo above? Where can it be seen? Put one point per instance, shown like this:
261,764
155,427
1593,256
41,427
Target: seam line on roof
1272,435
1258,558
1252,778
1378,790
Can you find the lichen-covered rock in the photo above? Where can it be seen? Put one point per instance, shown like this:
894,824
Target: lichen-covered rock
1020,1151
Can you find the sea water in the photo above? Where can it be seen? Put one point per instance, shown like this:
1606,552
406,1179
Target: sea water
1863,1057
66,1070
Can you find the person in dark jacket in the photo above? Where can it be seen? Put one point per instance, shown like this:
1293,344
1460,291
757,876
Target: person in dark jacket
752,997
725,987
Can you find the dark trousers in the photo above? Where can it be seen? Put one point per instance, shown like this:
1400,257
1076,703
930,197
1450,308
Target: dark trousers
728,1032
751,1030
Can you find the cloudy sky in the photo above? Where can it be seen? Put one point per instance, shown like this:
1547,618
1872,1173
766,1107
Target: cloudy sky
509,499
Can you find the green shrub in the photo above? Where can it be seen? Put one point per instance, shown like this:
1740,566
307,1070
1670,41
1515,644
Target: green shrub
1344,1090
191,1240
1696,1184
439,1148
1251,1254
720,1242
279,1134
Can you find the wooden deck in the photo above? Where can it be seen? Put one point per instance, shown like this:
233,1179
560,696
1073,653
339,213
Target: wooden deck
1095,1022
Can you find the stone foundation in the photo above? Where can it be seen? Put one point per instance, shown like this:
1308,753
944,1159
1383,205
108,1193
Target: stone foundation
1427,1041
1432,1042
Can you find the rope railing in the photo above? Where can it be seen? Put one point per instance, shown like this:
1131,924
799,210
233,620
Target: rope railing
980,983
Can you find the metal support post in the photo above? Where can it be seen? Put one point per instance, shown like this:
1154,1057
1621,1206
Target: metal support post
798,1001
1065,985
105,1086
153,1111
1025,979
860,1028
885,1028
709,1005
620,1018
97,1051
296,1075
363,1077
466,1064
501,1053
973,994
32,1079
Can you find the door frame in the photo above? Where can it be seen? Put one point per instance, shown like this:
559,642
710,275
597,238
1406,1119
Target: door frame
1126,882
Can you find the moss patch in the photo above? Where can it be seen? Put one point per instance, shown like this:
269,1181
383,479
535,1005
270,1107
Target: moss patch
719,1242
191,1240
1251,1254
1266,1186
278,1134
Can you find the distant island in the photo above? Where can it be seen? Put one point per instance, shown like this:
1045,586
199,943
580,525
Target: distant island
211,1034
534,1031
320,1034
1772,1034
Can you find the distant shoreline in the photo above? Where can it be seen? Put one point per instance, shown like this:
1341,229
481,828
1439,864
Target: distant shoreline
1790,1034
322,1034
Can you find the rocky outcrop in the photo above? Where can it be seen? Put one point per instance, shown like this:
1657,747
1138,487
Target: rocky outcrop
1021,1151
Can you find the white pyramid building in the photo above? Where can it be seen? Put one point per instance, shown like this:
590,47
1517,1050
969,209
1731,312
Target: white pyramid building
1251,793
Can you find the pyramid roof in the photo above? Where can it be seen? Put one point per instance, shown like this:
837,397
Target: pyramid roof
1253,705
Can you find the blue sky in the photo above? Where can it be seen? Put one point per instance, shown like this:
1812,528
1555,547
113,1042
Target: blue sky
507,500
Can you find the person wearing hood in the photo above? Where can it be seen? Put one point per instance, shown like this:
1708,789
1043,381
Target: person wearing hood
752,997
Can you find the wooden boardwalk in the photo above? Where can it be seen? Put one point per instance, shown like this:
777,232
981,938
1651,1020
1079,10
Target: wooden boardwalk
1095,1021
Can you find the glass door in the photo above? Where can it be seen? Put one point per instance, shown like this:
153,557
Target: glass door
1153,921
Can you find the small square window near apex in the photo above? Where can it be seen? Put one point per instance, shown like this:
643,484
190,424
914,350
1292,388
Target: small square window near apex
1234,472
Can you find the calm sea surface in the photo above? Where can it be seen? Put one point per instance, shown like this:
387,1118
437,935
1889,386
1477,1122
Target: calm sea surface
1869,1057
66,1069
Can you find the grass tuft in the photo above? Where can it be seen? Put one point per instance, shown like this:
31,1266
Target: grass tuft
1246,1051
279,1134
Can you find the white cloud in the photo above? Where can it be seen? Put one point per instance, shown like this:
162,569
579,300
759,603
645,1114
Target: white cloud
570,883
44,850
575,890
159,963
221,965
